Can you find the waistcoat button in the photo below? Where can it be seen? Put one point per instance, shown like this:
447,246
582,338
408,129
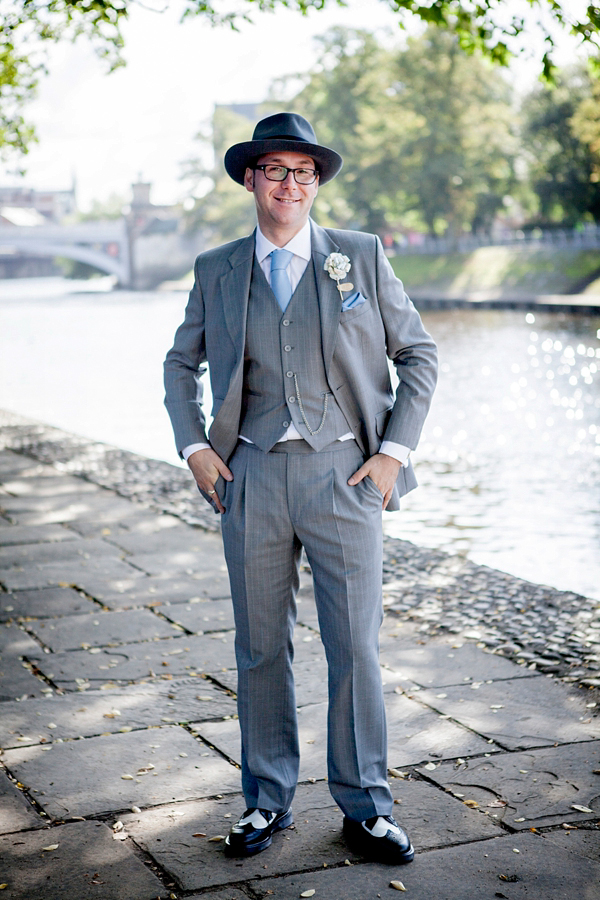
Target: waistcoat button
292,399
287,348
286,322
286,424
290,374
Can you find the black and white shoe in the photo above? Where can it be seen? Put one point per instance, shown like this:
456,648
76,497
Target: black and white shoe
379,838
254,831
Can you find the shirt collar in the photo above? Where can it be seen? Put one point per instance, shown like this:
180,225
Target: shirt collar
299,244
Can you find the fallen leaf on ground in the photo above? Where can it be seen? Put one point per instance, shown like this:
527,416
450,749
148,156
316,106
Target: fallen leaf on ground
397,885
309,893
135,809
472,804
430,766
51,847
127,777
497,804
584,809
217,837
199,834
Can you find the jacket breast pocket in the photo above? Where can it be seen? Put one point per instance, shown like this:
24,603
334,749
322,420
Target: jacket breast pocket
347,315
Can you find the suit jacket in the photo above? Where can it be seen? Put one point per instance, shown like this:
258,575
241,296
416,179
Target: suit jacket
356,344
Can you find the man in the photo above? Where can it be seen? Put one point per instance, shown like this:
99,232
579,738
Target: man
308,444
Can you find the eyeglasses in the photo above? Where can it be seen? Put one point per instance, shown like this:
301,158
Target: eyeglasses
280,173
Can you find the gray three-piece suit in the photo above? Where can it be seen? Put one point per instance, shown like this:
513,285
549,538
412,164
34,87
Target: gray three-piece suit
264,365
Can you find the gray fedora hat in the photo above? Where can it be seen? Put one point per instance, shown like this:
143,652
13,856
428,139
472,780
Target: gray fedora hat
283,131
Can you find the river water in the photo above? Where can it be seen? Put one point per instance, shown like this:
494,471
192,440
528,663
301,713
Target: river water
509,461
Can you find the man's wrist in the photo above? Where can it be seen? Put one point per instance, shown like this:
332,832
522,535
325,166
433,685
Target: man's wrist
397,451
192,448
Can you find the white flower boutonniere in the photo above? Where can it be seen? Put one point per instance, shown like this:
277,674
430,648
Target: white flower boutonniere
337,266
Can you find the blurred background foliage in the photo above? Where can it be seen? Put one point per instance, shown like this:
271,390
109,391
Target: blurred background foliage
434,139
497,29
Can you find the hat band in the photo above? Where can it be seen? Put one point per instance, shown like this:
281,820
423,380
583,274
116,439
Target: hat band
285,137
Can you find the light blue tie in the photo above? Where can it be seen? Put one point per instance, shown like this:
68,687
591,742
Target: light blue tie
280,281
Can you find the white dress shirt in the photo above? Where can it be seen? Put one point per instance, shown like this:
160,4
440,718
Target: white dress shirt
300,246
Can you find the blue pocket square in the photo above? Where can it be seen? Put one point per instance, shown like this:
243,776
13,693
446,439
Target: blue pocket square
354,300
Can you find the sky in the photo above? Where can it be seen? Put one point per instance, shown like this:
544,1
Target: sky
107,130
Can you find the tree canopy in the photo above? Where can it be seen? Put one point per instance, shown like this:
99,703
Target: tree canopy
433,140
496,28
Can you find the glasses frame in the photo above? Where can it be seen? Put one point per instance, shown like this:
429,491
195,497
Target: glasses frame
265,166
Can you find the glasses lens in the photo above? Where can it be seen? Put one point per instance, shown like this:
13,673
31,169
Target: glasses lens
305,176
276,173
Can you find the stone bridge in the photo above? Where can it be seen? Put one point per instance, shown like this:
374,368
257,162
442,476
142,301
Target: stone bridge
104,245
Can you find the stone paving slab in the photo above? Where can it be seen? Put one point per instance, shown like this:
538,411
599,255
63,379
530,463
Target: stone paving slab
97,712
178,562
415,734
11,464
88,864
35,534
445,662
432,818
82,778
310,677
157,591
15,679
583,843
227,893
167,658
307,612
44,604
202,615
523,712
101,629
32,554
539,871
82,572
122,516
48,483
16,813
207,547
539,787
75,499
96,510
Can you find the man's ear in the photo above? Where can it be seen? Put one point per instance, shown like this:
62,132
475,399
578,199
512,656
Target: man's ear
249,180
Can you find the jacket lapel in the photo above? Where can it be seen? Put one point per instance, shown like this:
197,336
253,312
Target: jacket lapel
330,305
235,290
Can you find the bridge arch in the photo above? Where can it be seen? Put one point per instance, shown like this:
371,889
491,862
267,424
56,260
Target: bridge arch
104,245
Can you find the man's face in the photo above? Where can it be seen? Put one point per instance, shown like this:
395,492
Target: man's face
282,205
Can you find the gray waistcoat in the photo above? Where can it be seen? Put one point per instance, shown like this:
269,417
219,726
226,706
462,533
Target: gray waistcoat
279,346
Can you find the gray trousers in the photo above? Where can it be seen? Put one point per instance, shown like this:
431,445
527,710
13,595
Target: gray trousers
278,503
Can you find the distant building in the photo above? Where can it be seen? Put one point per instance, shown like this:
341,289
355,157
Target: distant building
145,217
52,206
